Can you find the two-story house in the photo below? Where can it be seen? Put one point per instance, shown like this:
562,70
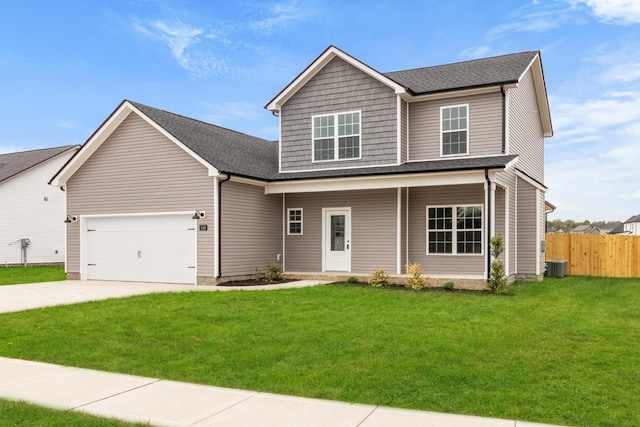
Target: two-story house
371,170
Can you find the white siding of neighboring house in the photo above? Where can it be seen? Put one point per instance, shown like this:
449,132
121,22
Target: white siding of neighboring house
632,228
34,210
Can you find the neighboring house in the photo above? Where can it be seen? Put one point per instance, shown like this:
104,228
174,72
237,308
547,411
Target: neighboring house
371,170
31,219
585,229
632,225
617,229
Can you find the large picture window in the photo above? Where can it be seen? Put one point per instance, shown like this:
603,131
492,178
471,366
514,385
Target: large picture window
455,130
454,230
336,136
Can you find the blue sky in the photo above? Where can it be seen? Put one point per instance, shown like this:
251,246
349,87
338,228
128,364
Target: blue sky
65,65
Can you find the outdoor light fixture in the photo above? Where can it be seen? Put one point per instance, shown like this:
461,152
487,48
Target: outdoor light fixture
71,218
199,215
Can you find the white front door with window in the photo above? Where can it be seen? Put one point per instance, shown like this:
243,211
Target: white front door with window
336,239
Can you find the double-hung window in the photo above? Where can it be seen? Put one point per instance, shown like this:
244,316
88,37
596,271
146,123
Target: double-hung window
454,230
336,136
294,221
454,125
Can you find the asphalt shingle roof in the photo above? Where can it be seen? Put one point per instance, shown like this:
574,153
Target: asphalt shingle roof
225,149
469,74
635,218
11,164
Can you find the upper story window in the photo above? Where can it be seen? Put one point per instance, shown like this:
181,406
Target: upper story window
454,125
336,136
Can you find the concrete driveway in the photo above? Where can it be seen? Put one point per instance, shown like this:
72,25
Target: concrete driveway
47,294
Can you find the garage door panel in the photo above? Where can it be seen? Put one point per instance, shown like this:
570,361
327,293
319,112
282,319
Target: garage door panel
158,248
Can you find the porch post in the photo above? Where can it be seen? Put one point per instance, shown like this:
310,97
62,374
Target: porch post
399,231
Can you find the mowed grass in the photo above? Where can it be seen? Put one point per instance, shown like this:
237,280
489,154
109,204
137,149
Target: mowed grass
564,351
22,414
19,275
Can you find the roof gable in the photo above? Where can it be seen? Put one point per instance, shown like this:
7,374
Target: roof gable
216,148
12,164
318,64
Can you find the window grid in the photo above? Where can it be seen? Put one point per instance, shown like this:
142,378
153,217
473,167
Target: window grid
455,127
294,219
460,236
336,136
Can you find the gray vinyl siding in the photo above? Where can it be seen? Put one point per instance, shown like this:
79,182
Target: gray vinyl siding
373,229
525,131
404,131
404,230
340,87
507,180
419,199
485,126
138,170
251,228
526,234
542,227
499,217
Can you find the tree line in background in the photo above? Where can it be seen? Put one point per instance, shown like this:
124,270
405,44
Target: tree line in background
563,224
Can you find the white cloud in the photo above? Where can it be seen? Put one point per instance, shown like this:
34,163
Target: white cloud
281,14
476,52
536,17
630,196
615,11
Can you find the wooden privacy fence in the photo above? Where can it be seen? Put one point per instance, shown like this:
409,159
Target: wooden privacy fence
599,255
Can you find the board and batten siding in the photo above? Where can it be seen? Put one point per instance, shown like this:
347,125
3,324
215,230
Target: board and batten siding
527,228
373,229
422,197
340,87
139,170
32,209
485,126
526,137
251,229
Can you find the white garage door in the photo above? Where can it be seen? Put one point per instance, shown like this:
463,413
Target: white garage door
147,248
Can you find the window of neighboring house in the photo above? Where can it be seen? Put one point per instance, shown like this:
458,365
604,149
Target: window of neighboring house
454,126
294,220
459,234
336,136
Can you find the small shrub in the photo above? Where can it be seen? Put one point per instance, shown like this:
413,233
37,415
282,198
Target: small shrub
416,281
497,279
274,272
352,281
449,286
378,277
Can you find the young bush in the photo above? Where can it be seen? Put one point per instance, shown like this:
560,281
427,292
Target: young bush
378,277
449,286
274,272
416,281
352,281
497,279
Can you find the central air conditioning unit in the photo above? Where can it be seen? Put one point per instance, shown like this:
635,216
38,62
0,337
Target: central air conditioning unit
556,268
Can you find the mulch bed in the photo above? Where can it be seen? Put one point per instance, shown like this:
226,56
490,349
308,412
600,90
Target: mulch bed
254,282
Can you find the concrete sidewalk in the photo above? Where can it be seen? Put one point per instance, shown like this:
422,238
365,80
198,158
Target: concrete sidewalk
168,403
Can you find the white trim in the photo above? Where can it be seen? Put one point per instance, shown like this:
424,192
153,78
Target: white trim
467,129
458,93
216,230
289,233
399,232
317,65
454,229
408,141
279,143
407,226
338,167
379,182
507,226
515,225
336,137
399,130
105,131
538,235
284,236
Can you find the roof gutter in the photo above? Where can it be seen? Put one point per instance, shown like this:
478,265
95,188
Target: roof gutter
219,237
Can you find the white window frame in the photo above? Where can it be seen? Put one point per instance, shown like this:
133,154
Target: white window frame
289,222
442,108
336,137
454,230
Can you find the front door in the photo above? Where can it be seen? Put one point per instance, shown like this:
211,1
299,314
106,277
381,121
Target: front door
337,239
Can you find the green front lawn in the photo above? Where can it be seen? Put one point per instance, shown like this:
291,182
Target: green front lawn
19,275
564,351
22,414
